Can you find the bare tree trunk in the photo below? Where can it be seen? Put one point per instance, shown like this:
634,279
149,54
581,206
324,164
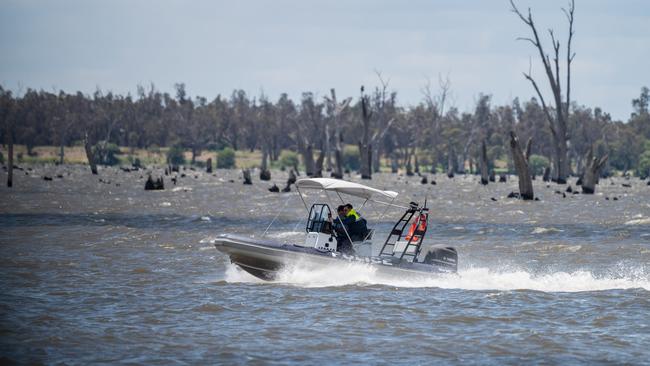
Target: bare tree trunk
484,164
335,110
592,172
265,173
376,158
394,164
10,157
338,172
319,164
208,166
450,162
558,125
247,176
89,154
308,159
521,166
328,154
461,164
409,167
365,150
194,153
547,174
61,154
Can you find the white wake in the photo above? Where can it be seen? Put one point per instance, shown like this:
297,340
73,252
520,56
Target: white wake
479,278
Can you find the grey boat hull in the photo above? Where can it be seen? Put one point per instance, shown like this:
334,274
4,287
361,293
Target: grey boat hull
264,259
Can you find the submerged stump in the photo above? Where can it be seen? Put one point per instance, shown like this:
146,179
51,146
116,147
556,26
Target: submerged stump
247,176
520,160
592,172
208,165
154,185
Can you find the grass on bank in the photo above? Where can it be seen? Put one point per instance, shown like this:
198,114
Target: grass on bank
158,156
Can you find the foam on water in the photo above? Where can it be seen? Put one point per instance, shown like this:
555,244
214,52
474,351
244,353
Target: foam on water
639,221
476,278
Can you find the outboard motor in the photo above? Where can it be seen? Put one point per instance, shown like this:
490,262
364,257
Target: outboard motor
444,257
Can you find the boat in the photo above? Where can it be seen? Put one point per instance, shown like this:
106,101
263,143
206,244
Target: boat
401,251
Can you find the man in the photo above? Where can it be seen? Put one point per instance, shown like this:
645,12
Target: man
341,226
356,225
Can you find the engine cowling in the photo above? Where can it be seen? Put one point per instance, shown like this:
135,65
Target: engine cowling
445,257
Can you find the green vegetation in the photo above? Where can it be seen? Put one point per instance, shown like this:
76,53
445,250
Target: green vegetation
644,161
226,159
176,155
538,163
288,159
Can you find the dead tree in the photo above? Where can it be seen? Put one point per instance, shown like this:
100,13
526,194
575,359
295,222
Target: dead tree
365,145
291,180
208,166
557,124
367,141
267,114
484,164
247,176
89,154
335,109
265,173
10,154
592,171
384,104
154,185
451,161
309,132
520,159
547,174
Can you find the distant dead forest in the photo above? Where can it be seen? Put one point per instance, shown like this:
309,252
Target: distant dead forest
429,135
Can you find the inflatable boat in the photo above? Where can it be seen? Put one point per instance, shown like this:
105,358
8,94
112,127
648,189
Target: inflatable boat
327,239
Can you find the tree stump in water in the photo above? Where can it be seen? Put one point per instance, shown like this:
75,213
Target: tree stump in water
265,174
424,180
547,174
493,177
274,188
503,178
89,154
154,185
208,165
484,164
291,180
247,176
592,172
394,166
520,160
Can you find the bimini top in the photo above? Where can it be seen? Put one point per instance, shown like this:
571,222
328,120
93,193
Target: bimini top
341,186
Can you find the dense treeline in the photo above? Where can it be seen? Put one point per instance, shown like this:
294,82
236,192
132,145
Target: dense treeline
427,136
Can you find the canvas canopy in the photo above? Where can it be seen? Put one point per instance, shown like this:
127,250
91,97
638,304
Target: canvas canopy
341,186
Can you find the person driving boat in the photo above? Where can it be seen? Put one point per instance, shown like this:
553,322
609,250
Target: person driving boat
357,226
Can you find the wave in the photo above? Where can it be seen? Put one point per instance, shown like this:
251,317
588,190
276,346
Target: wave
639,221
478,278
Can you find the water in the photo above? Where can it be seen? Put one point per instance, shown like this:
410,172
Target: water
95,272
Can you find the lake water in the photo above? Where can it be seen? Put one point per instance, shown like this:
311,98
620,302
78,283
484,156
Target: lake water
103,272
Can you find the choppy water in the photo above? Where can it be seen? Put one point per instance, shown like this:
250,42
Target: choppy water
108,273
